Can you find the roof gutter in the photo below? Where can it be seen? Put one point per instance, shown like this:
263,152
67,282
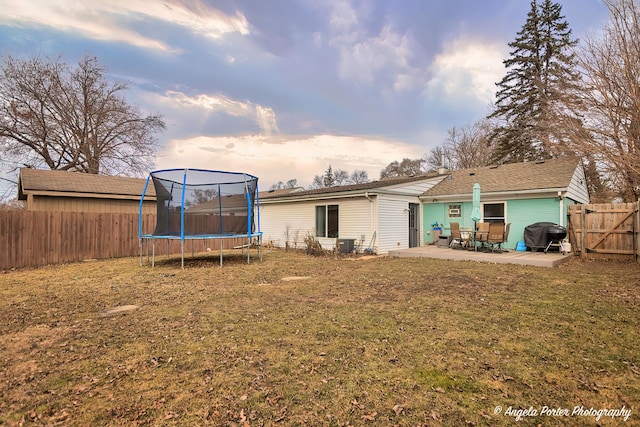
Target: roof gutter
494,194
320,196
88,195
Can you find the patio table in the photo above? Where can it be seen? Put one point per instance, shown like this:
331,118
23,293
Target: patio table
466,235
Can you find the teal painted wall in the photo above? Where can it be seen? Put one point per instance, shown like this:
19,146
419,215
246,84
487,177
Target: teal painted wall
520,213
439,212
432,212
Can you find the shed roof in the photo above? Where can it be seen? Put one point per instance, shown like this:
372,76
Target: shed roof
39,181
521,177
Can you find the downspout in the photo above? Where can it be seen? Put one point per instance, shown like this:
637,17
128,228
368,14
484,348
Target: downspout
371,214
366,194
561,222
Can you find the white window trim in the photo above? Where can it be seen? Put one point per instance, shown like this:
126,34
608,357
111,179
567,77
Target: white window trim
504,202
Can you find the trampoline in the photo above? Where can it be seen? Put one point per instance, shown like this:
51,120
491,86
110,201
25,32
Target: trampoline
202,204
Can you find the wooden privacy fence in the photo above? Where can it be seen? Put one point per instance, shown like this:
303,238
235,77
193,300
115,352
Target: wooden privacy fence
607,231
34,238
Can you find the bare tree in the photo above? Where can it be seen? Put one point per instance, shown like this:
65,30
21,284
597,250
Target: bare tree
437,157
72,118
360,176
466,147
277,186
317,182
341,177
407,167
198,197
605,125
292,183
333,178
337,177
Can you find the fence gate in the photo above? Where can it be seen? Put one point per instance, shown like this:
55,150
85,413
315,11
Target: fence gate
605,230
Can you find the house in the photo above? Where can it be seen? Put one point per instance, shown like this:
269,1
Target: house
399,213
380,215
62,191
519,193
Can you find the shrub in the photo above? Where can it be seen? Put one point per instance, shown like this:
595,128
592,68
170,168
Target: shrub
313,245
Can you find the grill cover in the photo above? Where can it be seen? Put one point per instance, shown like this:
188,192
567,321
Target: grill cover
535,235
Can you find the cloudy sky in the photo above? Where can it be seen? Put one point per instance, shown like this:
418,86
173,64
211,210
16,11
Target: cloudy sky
283,88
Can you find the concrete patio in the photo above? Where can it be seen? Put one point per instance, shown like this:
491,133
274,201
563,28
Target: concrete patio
540,259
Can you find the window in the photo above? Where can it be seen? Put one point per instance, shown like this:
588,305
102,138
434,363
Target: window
327,221
321,221
493,212
455,211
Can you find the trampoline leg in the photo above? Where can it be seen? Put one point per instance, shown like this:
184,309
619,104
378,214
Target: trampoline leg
140,252
220,252
153,254
182,252
260,247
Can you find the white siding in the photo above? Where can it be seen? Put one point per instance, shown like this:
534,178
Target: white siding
386,213
415,188
578,186
394,222
275,218
355,219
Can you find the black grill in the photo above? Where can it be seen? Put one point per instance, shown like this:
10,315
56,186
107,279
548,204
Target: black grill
556,233
542,234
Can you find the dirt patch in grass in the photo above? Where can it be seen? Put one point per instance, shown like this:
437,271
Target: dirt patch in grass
382,342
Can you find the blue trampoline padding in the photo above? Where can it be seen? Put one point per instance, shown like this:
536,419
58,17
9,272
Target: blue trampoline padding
200,236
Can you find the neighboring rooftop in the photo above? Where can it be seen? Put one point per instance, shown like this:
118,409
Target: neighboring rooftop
547,174
231,202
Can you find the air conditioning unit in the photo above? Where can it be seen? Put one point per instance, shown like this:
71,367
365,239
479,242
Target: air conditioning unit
453,212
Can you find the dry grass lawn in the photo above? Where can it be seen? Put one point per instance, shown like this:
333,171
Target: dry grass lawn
296,340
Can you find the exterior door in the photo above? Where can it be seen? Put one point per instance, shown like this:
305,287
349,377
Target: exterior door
414,210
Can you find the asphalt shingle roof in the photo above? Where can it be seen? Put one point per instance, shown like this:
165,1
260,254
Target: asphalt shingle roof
38,180
352,187
554,173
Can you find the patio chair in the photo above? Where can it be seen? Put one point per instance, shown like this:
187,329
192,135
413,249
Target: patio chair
481,234
496,236
506,234
456,237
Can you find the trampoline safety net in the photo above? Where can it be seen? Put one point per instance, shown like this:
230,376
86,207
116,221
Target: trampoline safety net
201,204
194,202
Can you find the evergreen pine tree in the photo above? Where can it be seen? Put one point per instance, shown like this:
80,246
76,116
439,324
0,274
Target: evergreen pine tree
539,70
328,180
